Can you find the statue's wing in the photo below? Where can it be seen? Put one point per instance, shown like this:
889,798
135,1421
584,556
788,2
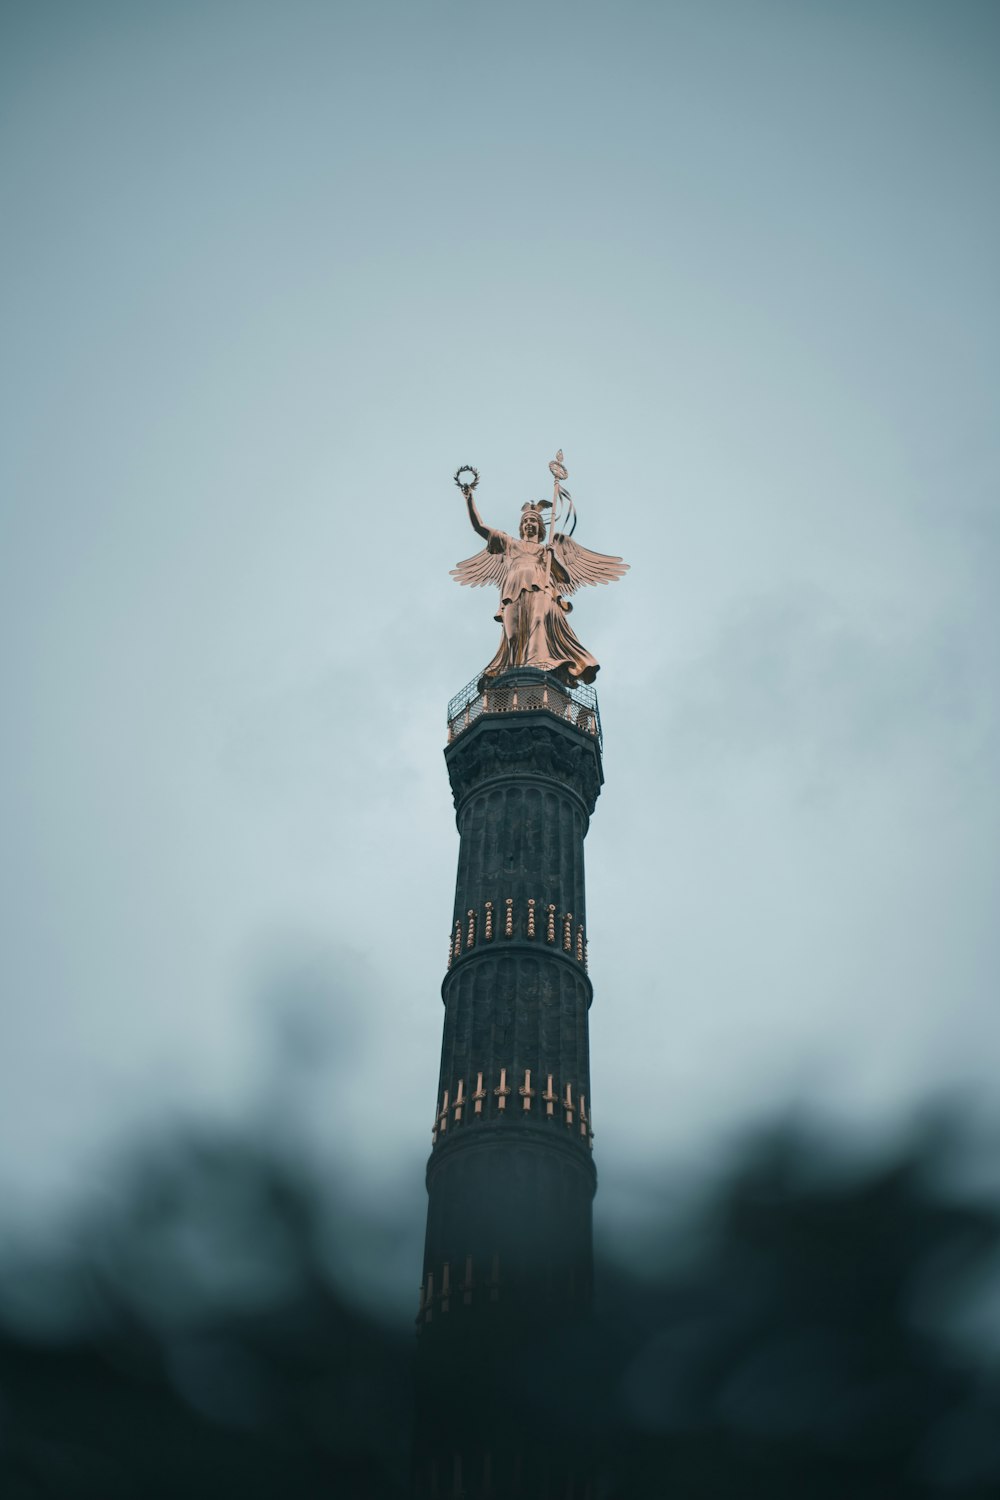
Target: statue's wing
486,567
576,565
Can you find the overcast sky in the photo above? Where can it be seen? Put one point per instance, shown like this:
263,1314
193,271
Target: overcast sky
271,272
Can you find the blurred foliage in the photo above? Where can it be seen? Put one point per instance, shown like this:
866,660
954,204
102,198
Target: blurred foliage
828,1337
809,1332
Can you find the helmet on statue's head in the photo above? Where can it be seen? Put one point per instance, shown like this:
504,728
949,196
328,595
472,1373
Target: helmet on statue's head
534,510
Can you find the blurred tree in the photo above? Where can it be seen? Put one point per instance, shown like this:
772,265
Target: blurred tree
829,1338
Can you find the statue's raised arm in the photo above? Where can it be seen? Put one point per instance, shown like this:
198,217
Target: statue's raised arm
487,566
533,580
467,486
475,517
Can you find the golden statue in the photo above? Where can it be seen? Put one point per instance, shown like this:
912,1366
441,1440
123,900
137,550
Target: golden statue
534,580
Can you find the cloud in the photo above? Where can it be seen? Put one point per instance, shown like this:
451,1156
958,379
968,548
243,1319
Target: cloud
794,675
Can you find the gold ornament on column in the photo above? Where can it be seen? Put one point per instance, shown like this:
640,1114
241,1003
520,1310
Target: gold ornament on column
551,1097
502,1091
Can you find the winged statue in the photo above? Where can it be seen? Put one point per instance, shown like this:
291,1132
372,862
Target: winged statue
534,579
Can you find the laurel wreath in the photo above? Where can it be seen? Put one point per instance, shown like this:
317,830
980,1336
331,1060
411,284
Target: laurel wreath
466,469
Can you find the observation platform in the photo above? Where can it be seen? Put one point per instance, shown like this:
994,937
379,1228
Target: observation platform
525,690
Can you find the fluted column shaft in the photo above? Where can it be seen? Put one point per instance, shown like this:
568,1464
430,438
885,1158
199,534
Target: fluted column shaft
511,1174
508,1259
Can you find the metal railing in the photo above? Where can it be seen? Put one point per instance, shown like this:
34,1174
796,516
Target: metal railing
526,690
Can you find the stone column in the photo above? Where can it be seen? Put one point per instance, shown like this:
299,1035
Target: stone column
508,1261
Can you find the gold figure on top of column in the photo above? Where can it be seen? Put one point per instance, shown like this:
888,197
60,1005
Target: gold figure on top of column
534,579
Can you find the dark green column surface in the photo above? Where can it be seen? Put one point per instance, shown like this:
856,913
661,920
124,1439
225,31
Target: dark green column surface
508,1259
511,1173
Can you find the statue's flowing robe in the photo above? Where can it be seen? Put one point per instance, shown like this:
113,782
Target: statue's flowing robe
533,615
534,580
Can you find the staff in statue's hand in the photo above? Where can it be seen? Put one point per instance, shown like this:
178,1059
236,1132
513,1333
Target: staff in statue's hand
561,496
